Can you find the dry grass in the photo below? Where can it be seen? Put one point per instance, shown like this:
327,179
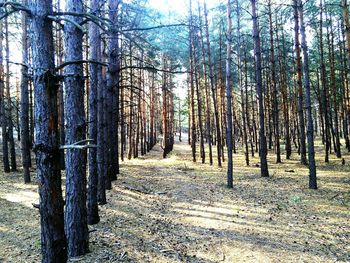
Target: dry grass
173,210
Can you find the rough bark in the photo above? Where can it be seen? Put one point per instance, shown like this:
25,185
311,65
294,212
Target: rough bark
75,211
53,242
113,87
94,43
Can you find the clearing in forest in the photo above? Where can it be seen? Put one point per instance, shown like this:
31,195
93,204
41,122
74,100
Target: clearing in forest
173,210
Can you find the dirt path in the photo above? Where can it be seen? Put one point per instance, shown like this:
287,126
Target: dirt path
171,210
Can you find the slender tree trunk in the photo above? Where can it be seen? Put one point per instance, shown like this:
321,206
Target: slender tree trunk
310,128
257,51
228,100
284,88
193,117
330,39
165,111
113,86
9,102
274,90
131,98
303,159
199,103
53,241
94,44
75,211
5,156
207,96
212,85
25,143
324,86
60,55
100,155
243,101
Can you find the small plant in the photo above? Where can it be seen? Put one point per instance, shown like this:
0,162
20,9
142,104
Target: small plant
296,198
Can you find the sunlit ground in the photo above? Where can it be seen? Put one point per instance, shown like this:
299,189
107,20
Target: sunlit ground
173,210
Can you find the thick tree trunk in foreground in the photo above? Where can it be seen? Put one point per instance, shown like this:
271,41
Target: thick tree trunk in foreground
53,242
75,211
259,89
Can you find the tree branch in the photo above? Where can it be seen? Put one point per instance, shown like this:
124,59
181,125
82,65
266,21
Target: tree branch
16,7
153,69
153,27
76,62
57,19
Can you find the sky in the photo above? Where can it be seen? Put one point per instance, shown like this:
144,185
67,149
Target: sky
179,6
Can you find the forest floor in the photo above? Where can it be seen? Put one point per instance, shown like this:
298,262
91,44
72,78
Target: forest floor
173,210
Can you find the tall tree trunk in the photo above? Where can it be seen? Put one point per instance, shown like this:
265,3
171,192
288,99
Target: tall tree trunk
75,211
199,102
300,86
274,90
229,100
101,153
207,96
330,40
5,151
259,88
53,241
25,143
60,55
324,86
113,86
212,85
9,102
240,81
310,128
285,95
193,117
131,98
94,44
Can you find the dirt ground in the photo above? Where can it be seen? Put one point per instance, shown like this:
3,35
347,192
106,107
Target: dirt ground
173,210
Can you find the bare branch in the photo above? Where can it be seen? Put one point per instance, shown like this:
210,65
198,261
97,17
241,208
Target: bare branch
153,27
57,19
75,62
